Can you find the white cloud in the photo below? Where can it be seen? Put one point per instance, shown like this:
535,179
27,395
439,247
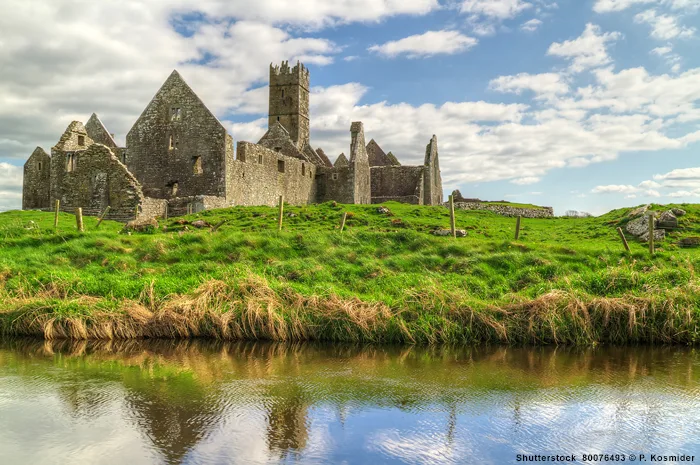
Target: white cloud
587,51
662,51
497,9
427,44
606,6
687,179
485,16
663,26
526,181
531,25
351,58
545,83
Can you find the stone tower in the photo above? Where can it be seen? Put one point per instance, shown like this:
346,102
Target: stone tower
289,101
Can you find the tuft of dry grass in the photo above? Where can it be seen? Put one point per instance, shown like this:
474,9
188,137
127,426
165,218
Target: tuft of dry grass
251,309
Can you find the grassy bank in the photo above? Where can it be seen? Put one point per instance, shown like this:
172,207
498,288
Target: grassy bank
385,279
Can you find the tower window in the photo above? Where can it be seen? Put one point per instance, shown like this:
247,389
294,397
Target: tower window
197,165
260,159
280,166
173,142
303,169
39,166
70,162
175,114
278,118
334,176
124,158
282,93
81,140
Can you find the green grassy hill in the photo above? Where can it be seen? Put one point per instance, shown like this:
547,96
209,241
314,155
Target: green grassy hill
385,278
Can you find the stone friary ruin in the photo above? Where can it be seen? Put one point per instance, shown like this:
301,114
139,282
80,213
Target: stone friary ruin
178,154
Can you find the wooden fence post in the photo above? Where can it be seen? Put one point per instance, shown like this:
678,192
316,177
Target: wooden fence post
624,241
651,233
453,229
517,228
342,221
279,220
79,219
55,218
102,217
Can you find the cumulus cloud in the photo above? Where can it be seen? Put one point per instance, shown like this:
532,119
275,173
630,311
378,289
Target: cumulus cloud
587,51
531,25
484,16
540,84
426,44
663,26
607,6
685,179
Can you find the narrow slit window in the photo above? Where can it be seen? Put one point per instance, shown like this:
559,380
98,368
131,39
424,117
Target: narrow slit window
260,159
303,169
81,140
124,158
197,165
175,114
278,118
334,176
39,166
282,93
171,144
70,162
280,166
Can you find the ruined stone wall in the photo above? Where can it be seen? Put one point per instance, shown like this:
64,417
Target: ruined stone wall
359,165
432,190
505,210
67,155
335,184
399,183
36,184
177,147
99,179
259,181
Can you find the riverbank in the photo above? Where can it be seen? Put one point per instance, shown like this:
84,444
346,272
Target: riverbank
385,278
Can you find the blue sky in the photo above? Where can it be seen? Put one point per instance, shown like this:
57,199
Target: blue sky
586,105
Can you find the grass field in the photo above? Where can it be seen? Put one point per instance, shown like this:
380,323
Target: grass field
385,278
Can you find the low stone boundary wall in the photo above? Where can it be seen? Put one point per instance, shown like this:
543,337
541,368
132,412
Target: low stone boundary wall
506,210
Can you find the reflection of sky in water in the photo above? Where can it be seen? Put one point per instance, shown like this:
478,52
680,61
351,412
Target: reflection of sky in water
356,409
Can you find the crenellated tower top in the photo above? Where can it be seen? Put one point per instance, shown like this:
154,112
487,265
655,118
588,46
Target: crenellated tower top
289,101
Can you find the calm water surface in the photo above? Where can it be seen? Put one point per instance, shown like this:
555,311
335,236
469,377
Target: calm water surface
246,403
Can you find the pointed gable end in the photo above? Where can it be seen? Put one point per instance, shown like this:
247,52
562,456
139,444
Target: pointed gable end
98,132
74,138
341,161
376,155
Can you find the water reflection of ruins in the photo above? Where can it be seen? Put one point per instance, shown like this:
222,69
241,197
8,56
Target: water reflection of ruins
180,393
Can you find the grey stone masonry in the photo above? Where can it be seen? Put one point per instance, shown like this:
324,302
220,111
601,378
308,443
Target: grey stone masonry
177,147
289,101
36,187
505,210
179,157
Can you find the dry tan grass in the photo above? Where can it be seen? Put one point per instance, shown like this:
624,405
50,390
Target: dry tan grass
252,309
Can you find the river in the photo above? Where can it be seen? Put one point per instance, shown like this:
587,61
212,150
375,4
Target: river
209,402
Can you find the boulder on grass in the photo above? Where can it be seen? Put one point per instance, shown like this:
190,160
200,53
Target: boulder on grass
689,242
639,226
678,211
141,225
659,235
638,211
447,232
668,220
199,224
